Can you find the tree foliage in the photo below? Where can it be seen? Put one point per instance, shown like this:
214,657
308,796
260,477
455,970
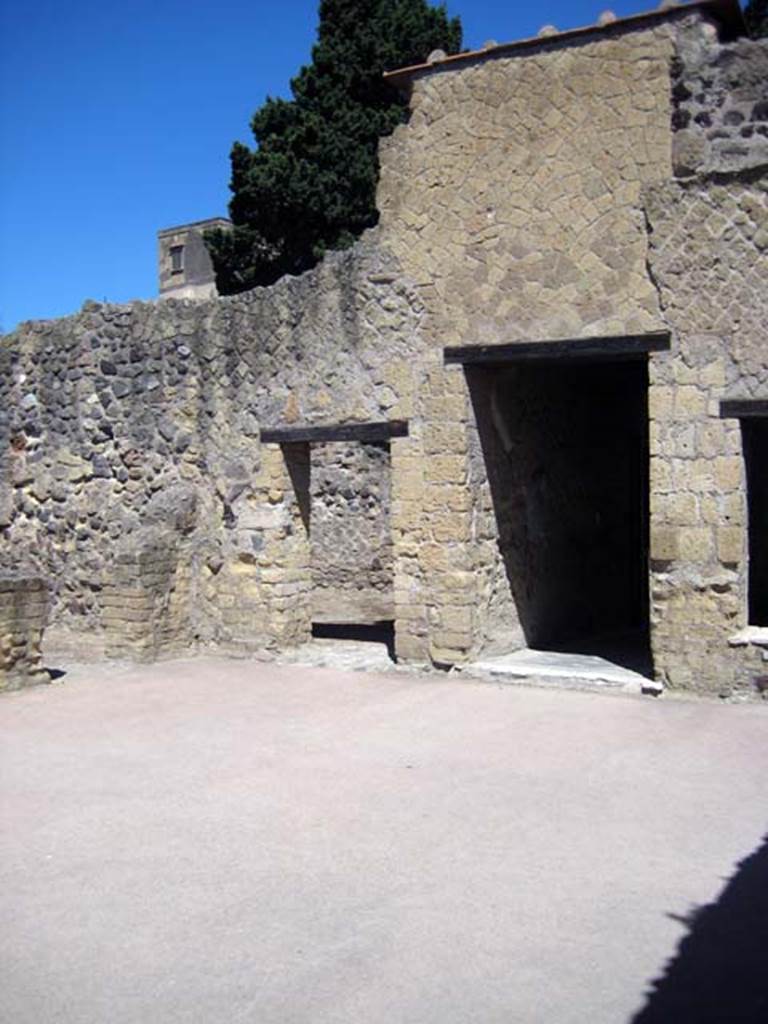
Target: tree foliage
756,17
310,184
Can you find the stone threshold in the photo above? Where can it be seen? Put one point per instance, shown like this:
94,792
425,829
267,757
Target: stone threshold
349,655
571,671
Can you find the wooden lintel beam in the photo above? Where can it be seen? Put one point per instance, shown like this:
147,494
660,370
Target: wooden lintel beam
623,346
306,433
743,408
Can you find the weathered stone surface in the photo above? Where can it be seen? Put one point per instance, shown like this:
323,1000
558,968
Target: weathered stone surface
512,197
351,533
531,196
169,440
713,286
23,616
719,94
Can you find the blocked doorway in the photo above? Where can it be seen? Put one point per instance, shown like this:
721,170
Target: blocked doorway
563,455
341,478
351,551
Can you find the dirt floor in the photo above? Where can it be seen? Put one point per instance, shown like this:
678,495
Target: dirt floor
231,841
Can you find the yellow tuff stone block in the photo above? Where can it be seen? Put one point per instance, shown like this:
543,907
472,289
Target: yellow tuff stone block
731,543
665,545
445,469
729,472
696,543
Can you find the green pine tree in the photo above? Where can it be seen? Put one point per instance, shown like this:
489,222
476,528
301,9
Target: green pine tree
310,184
756,17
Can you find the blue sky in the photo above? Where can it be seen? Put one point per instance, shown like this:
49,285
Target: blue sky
116,119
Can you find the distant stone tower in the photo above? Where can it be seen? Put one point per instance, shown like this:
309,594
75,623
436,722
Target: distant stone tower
184,268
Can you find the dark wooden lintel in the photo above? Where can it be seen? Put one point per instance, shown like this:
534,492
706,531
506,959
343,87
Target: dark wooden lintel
382,431
623,346
743,408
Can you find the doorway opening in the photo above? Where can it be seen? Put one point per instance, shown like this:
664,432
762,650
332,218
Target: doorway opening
755,440
381,633
341,477
564,445
351,550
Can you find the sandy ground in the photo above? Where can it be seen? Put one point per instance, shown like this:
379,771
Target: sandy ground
227,841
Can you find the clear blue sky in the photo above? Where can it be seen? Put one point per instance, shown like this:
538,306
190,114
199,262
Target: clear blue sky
116,119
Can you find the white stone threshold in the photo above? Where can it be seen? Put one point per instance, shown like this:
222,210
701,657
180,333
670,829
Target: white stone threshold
580,671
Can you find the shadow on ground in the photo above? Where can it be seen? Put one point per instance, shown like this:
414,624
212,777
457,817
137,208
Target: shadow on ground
720,971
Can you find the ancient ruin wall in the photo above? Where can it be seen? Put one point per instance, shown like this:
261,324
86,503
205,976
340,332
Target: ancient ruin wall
513,199
23,616
513,195
512,208
720,95
133,476
709,255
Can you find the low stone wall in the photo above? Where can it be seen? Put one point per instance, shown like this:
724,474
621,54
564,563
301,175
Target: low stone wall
23,616
123,424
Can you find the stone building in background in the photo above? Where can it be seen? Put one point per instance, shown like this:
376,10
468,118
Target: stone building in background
184,267
528,409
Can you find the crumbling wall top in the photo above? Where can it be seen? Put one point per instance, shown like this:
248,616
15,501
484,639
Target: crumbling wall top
726,13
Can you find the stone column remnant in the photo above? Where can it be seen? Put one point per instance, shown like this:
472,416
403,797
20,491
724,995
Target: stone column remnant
23,615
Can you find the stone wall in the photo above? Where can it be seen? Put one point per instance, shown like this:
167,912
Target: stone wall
708,255
23,616
513,199
513,194
133,471
720,93
531,197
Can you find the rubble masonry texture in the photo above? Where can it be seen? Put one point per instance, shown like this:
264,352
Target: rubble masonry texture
531,196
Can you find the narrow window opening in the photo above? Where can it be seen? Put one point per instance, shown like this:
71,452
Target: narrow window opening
755,437
177,259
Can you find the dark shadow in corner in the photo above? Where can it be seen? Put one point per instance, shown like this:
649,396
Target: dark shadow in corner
298,462
720,972
373,633
564,449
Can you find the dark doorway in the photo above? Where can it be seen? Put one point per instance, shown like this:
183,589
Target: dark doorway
371,633
755,437
565,450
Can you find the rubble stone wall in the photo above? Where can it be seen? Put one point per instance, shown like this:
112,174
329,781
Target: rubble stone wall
132,468
720,95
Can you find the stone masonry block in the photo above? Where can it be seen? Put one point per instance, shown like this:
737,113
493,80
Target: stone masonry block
729,473
696,544
445,469
23,616
731,544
